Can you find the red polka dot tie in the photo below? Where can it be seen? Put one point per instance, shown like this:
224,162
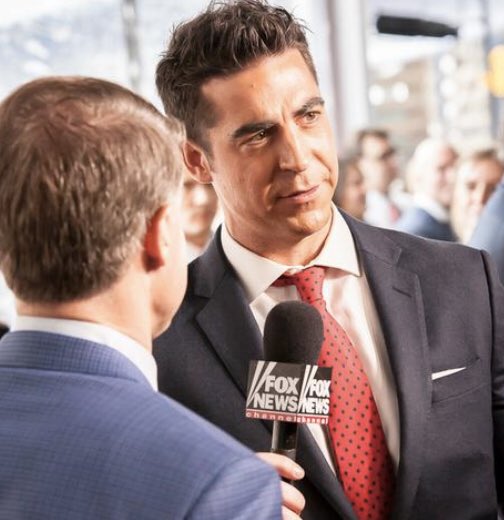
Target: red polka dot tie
364,464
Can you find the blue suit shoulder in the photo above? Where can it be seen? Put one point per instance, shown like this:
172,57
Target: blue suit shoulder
109,446
159,443
489,232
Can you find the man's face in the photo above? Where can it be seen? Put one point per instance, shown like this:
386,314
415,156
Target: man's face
479,180
199,208
353,197
378,163
272,157
439,176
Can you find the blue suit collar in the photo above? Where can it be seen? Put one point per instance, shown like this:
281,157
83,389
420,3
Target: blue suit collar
48,351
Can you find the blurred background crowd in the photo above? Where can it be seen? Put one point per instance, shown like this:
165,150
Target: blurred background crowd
415,91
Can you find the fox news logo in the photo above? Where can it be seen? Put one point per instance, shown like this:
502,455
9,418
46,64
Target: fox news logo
288,392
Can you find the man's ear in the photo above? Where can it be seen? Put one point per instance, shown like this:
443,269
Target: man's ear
197,163
157,239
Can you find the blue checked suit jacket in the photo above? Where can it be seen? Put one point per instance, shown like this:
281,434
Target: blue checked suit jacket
84,436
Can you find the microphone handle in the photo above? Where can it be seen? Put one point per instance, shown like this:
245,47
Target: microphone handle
284,440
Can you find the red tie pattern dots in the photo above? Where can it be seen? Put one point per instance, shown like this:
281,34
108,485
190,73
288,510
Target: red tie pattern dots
364,463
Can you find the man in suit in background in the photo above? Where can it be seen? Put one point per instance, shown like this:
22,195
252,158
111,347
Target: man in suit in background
432,171
489,232
199,207
414,328
91,243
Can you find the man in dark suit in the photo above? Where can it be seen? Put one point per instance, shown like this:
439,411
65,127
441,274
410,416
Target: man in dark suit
432,179
90,180
489,232
413,328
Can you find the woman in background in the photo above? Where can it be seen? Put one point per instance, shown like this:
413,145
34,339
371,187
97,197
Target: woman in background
350,194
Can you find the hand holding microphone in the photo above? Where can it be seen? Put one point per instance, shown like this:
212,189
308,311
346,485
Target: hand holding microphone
293,501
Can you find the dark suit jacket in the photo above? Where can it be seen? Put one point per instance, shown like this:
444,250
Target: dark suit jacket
84,436
417,221
489,233
440,307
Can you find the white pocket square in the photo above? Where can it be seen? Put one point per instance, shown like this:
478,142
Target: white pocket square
444,373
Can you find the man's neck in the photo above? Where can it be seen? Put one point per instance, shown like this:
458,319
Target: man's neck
104,309
298,250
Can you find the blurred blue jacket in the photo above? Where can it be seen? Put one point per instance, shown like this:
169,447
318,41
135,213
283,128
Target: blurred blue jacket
489,233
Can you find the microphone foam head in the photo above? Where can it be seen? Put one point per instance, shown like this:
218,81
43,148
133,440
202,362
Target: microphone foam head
293,333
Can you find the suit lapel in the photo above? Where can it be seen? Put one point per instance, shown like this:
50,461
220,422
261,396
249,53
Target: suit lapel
321,475
398,300
230,326
226,318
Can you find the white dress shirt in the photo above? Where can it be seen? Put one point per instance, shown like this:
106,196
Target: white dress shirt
7,304
349,300
106,336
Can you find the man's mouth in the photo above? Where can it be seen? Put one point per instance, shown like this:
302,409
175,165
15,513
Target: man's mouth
301,196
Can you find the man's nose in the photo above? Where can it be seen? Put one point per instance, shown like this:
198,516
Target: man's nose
293,151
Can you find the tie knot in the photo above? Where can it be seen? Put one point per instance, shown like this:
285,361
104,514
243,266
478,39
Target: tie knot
308,282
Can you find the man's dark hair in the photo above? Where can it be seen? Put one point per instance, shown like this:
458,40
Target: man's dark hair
222,40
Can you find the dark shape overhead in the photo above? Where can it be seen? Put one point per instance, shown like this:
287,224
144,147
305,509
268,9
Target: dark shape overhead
413,27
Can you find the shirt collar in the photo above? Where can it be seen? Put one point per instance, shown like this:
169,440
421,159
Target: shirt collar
257,273
96,333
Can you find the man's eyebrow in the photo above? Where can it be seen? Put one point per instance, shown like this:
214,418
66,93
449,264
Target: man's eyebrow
309,105
251,128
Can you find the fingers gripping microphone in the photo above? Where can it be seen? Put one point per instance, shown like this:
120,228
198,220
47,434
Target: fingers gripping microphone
288,387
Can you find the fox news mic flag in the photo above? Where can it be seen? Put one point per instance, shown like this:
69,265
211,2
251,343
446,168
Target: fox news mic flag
288,392
288,387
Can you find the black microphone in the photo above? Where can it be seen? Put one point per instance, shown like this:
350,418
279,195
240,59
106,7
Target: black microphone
293,333
288,387
406,26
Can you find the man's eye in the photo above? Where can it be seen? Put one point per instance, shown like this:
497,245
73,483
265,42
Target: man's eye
259,136
311,117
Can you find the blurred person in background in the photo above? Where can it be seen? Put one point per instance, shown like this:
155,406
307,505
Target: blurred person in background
91,243
477,178
350,194
432,178
199,207
378,164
